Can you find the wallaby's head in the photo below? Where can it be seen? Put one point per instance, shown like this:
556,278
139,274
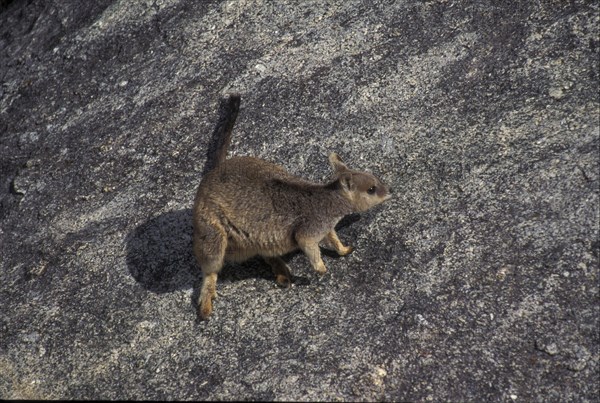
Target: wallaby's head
362,189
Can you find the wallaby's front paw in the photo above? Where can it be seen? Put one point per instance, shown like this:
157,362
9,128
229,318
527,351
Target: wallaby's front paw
345,250
320,268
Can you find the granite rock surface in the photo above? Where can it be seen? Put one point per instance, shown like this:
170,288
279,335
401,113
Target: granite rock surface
478,281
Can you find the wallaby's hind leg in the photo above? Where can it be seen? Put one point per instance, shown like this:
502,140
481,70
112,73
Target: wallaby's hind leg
209,247
283,277
207,294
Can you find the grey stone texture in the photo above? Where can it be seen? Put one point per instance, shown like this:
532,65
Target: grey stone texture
478,281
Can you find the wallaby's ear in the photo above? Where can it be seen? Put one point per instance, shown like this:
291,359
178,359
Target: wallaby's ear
346,181
337,164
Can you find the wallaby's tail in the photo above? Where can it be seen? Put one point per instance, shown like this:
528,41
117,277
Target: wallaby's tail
221,137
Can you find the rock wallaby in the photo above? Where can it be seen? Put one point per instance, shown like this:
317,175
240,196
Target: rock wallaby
246,207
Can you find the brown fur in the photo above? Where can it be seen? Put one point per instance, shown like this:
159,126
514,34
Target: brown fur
246,207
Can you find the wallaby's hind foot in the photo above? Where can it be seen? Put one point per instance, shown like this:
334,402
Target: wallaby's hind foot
207,294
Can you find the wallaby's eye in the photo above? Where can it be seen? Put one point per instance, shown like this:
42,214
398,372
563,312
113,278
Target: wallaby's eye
372,190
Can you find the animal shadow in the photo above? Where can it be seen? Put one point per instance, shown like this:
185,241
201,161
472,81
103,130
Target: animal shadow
159,253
